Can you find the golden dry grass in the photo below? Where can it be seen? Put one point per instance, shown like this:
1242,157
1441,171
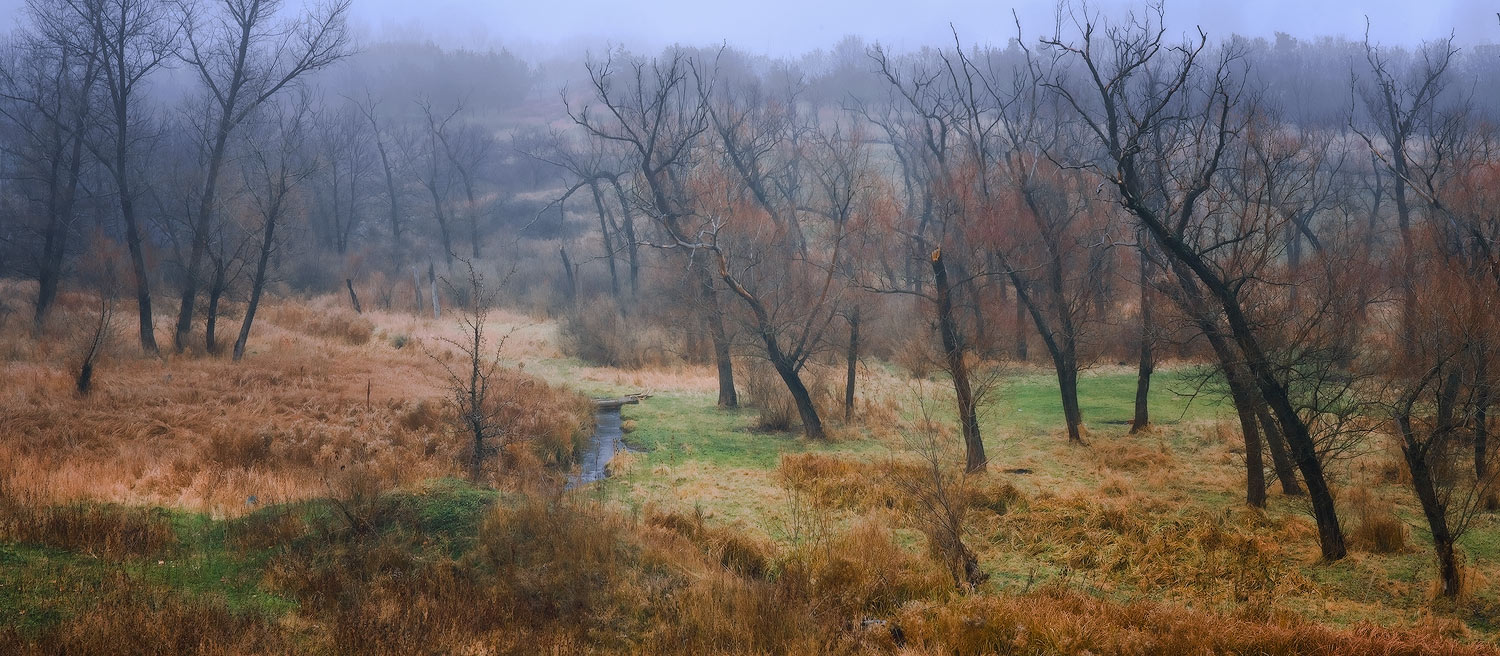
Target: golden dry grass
810,556
317,392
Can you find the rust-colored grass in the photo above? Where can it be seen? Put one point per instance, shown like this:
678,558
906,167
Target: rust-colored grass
313,395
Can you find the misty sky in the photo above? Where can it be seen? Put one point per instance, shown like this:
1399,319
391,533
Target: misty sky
781,27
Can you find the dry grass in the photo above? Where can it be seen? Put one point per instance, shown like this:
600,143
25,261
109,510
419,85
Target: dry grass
1377,528
528,571
206,434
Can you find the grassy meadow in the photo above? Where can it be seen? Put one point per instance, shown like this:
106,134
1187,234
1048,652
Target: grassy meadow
311,500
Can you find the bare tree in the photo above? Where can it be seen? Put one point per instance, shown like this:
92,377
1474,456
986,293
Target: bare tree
435,175
127,40
278,164
652,110
939,500
1400,105
244,55
392,191
1141,103
473,386
943,185
45,93
468,147
1438,393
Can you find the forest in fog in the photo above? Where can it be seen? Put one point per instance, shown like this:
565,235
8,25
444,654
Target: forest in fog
1300,235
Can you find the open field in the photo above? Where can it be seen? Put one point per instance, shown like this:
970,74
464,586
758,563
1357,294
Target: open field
306,500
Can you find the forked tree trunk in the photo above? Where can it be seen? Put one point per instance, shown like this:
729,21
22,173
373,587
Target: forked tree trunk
1241,392
604,236
715,319
1281,460
1433,508
968,415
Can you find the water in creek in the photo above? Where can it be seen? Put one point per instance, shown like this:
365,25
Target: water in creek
608,439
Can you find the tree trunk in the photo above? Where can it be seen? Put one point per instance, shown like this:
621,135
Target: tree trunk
1064,351
1191,265
1241,391
609,245
812,425
473,210
1067,384
353,298
1245,404
215,292
1146,364
627,220
1281,461
953,353
55,243
416,288
200,230
571,293
727,396
442,221
851,358
257,285
1020,329
390,190
138,269
1435,512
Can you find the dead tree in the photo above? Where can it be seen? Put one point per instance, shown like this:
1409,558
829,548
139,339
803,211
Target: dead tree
94,346
436,176
392,191
928,121
472,386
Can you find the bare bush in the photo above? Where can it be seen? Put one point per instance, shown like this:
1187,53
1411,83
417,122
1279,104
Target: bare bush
598,332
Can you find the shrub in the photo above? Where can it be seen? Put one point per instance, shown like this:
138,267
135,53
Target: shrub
1377,528
96,529
762,389
597,332
328,322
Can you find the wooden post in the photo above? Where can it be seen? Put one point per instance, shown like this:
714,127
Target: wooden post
437,309
416,287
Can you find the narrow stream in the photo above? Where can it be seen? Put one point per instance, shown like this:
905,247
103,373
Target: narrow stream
608,439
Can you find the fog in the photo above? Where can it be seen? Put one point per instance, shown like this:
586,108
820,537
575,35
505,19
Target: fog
789,27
